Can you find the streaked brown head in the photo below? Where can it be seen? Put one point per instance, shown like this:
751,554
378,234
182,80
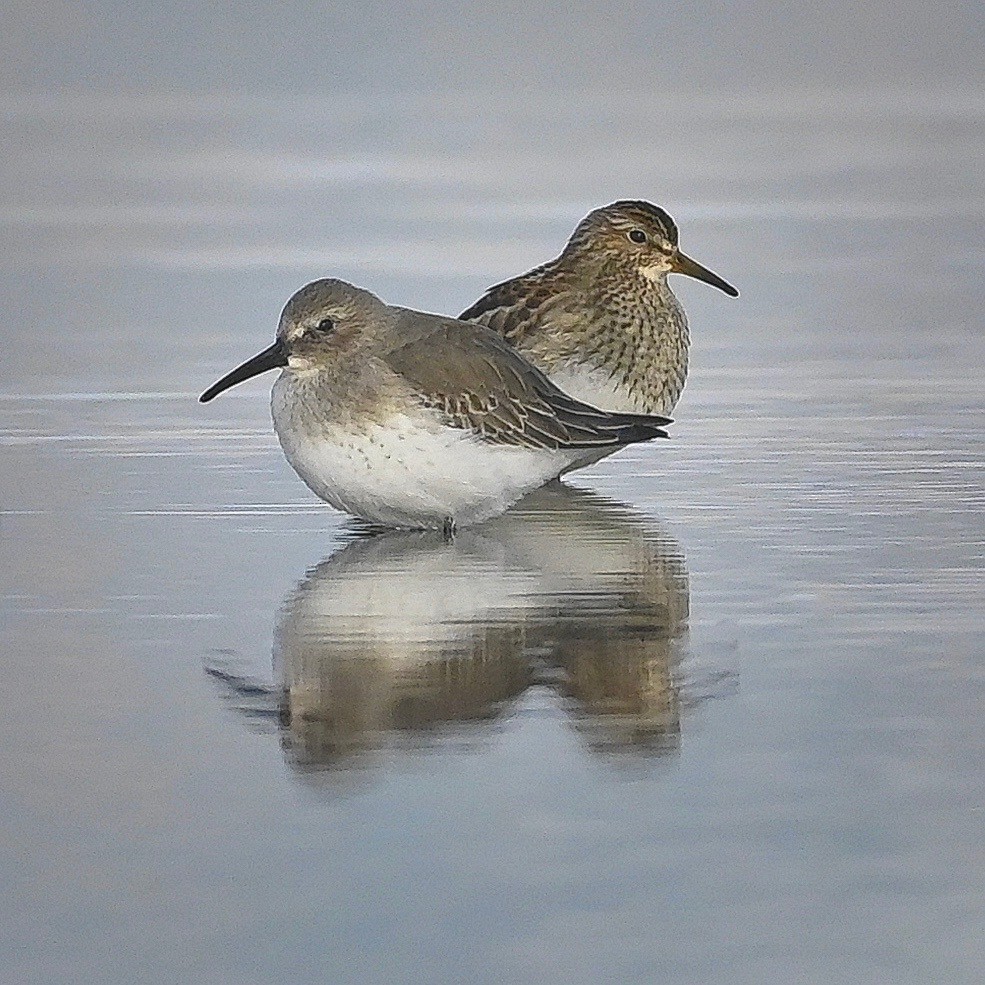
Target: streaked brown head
637,235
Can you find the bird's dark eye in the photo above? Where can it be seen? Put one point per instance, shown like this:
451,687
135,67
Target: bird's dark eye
637,235
326,325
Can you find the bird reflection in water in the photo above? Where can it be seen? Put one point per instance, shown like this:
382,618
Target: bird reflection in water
407,637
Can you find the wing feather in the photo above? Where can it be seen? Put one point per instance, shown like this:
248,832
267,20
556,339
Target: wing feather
480,383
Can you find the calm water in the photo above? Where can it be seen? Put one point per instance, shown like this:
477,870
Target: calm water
714,712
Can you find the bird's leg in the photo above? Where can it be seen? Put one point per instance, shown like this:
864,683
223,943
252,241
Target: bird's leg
448,529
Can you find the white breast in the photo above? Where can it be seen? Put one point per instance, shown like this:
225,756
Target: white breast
411,471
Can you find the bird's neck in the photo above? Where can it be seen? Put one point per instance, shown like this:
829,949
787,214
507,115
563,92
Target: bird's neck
657,284
649,288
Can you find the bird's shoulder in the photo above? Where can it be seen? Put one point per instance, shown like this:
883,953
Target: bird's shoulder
475,379
520,308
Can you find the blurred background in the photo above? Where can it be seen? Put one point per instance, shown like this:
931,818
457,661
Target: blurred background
427,152
713,714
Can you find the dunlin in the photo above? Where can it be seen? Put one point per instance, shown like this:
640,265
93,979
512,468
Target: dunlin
601,320
408,419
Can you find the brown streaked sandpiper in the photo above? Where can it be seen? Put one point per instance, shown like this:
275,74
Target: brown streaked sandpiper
601,320
408,419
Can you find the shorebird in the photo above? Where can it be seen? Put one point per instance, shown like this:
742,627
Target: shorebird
601,320
415,420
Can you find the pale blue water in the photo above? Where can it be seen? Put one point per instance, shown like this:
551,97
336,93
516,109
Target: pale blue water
713,714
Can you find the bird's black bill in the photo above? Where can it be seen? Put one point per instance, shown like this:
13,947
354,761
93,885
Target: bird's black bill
685,265
271,358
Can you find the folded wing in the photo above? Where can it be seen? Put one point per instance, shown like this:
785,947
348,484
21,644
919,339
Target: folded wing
479,383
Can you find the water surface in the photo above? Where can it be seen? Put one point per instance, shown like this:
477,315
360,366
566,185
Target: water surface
712,712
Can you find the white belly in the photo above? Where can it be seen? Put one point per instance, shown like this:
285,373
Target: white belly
411,471
595,387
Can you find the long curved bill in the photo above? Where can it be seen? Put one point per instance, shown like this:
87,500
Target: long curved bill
683,264
272,357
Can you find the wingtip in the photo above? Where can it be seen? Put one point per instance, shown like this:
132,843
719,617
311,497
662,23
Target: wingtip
643,431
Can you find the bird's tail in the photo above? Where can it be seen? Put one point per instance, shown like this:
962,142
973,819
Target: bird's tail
589,427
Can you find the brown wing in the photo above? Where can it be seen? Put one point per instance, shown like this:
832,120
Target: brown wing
517,309
479,383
